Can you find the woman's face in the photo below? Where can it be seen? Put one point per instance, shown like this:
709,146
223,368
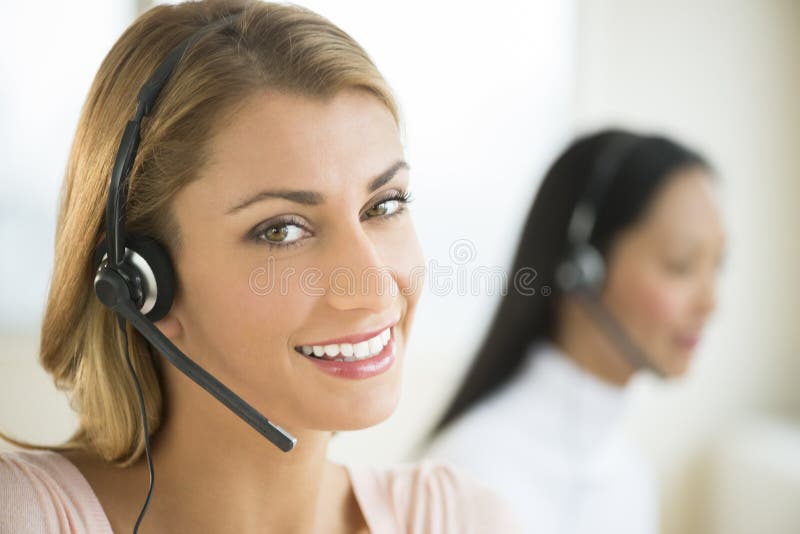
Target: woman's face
296,235
662,272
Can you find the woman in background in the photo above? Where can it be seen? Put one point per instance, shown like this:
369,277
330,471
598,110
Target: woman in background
625,237
275,142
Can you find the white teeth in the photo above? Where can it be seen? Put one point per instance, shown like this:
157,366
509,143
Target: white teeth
361,349
375,346
350,351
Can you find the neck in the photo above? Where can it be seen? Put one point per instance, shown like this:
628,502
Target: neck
582,340
214,473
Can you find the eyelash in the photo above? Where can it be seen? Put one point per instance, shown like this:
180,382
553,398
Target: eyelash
404,197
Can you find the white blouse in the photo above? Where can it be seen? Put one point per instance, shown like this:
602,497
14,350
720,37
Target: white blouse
552,442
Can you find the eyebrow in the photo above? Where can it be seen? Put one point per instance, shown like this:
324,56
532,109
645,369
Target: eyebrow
312,198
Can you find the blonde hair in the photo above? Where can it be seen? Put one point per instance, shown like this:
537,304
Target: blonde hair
270,46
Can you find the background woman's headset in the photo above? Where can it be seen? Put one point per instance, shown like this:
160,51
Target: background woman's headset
582,271
135,278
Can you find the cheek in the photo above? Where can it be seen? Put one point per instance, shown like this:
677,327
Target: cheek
647,301
243,306
661,302
401,252
410,263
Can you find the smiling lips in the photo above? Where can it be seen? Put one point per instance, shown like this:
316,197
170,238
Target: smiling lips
349,352
688,342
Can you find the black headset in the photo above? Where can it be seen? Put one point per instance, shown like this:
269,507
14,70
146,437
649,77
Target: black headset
135,277
582,271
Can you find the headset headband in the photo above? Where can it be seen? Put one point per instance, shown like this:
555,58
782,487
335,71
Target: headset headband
118,188
607,165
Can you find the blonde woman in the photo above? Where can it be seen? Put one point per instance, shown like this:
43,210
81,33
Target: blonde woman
269,166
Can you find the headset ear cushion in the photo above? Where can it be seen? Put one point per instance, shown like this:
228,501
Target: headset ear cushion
582,270
160,263
157,258
592,267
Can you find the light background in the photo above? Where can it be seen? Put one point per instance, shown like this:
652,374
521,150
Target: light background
489,94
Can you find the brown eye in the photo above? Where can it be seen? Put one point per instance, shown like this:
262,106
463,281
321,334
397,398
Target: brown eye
276,233
392,205
280,234
387,207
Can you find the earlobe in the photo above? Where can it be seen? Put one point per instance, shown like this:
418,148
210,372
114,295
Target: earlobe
170,326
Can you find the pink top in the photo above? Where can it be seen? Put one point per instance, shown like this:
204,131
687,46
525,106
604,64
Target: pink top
42,492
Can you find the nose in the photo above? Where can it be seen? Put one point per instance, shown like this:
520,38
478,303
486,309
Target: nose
357,278
706,301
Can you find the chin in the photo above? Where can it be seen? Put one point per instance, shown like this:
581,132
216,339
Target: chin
362,422
677,363
358,413
358,421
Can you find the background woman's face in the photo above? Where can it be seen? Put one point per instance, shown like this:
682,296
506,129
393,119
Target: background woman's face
296,207
662,271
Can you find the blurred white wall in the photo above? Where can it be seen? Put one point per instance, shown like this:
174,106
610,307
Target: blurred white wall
51,51
723,76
